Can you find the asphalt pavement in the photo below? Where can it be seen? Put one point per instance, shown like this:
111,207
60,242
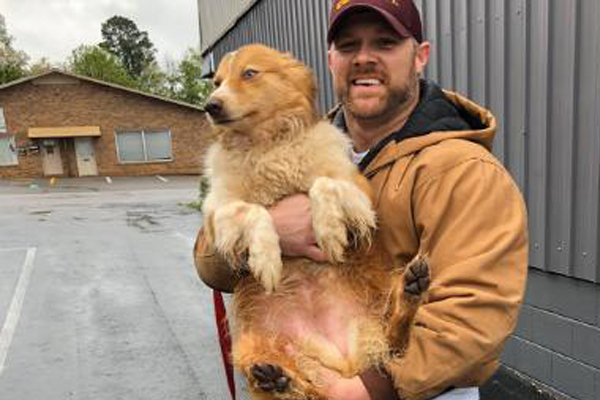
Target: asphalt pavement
99,298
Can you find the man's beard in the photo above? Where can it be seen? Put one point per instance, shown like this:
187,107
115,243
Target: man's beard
398,99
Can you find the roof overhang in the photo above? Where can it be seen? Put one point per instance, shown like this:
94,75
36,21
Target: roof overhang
99,82
63,132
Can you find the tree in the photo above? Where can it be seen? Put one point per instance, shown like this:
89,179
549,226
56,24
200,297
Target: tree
13,63
97,63
3,32
40,66
131,46
152,80
184,80
193,88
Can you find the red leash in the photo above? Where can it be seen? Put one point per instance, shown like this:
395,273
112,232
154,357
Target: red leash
224,339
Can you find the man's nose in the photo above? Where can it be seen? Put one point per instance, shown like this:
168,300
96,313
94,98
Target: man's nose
364,55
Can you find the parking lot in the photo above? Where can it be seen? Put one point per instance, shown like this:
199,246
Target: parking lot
99,298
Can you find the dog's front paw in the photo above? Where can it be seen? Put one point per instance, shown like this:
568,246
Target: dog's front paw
340,207
328,217
265,263
332,238
361,218
228,226
264,253
243,228
331,233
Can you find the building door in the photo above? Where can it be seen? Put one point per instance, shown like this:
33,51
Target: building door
86,160
51,159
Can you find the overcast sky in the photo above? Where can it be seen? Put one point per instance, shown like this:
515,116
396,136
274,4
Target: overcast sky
53,28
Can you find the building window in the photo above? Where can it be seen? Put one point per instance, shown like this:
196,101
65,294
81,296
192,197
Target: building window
8,151
2,121
144,146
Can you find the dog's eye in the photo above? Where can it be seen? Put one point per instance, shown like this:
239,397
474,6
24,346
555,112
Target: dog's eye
216,84
249,73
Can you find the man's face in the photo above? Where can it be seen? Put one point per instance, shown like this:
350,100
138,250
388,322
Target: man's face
375,71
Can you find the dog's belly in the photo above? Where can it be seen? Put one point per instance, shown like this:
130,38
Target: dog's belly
313,301
316,312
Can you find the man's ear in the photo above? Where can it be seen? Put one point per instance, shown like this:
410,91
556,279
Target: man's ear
422,57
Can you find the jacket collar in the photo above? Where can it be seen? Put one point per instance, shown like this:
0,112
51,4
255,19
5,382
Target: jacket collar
440,115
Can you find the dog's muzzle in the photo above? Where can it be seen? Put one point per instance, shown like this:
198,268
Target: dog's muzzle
215,109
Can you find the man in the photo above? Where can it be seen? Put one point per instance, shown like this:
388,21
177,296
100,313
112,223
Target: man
440,192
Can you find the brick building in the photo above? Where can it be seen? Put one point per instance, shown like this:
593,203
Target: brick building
60,124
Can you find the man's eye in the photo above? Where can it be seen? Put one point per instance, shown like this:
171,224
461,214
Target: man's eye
249,74
387,43
344,46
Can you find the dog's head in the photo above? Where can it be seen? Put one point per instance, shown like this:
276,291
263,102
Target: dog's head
257,89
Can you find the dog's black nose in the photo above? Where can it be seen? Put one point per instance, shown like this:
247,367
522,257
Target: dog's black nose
214,107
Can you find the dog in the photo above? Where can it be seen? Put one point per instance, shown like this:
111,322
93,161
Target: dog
294,317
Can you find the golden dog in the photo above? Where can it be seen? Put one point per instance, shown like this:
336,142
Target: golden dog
294,317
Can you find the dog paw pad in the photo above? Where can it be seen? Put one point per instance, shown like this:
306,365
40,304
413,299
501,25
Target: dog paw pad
270,378
416,277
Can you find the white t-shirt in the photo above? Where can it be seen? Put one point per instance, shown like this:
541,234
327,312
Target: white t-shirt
471,393
357,157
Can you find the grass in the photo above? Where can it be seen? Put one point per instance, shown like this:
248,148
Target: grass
203,188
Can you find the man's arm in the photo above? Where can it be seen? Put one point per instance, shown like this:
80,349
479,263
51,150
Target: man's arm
472,225
211,267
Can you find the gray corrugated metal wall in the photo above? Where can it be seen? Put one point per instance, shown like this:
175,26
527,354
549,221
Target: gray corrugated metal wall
535,63
216,17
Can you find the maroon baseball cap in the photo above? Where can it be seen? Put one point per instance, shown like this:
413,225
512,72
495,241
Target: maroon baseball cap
402,15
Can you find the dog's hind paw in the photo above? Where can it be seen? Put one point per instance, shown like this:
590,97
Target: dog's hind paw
270,378
416,278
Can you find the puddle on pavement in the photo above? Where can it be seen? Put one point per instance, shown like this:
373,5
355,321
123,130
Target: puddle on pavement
141,220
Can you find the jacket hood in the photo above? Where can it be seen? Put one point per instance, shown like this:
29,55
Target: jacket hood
440,115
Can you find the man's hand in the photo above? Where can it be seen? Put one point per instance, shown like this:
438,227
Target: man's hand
345,389
293,222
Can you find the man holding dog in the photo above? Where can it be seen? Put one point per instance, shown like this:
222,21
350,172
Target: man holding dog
440,192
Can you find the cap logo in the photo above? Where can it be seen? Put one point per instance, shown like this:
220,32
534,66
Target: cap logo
340,4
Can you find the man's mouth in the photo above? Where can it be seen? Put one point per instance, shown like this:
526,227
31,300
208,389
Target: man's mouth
367,82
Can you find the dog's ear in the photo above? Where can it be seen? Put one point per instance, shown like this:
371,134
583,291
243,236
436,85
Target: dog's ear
223,65
305,79
302,78
310,84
